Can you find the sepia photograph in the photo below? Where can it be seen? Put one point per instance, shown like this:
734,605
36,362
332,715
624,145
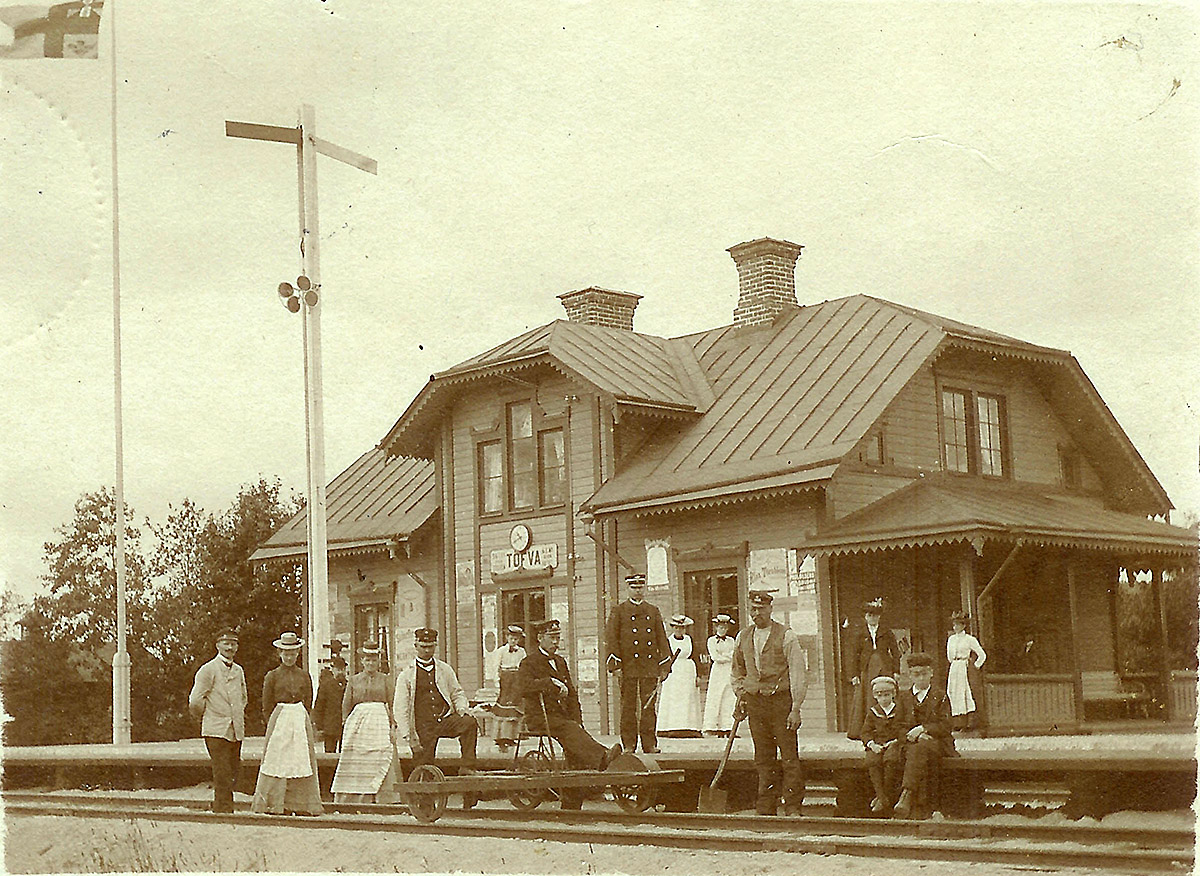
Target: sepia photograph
595,437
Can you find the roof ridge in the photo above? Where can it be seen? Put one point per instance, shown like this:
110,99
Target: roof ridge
953,326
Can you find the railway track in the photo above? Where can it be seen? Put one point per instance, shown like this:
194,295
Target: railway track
1032,845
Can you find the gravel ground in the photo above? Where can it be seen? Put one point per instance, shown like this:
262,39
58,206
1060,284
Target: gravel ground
56,844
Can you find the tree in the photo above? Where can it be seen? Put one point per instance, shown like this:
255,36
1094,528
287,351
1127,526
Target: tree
57,682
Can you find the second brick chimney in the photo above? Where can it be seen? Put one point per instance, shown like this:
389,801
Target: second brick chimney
766,279
603,307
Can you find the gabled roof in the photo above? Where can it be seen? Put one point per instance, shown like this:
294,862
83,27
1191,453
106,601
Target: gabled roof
375,502
800,393
789,397
947,508
632,369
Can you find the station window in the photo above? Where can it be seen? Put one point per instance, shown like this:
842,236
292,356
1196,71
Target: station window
525,468
974,432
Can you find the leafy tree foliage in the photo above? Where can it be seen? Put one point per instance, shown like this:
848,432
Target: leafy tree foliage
196,580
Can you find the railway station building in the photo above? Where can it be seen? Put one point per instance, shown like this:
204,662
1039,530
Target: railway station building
833,451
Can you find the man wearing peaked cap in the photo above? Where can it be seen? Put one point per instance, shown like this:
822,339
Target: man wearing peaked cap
925,718
219,699
637,646
430,704
770,675
552,706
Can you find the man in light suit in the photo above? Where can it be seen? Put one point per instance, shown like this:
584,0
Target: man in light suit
430,704
218,698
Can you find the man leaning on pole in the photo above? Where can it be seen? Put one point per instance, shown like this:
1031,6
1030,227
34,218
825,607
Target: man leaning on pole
769,675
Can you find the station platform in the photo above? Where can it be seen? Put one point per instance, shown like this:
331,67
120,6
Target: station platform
1100,772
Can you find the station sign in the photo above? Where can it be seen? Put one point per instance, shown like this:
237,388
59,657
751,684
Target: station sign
537,559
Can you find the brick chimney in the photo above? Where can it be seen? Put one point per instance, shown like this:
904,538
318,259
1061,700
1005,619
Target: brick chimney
603,307
766,279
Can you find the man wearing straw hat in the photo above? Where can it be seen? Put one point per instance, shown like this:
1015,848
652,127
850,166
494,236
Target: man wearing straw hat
769,674
637,647
366,770
218,698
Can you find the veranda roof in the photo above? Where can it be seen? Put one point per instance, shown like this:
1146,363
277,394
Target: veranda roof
941,509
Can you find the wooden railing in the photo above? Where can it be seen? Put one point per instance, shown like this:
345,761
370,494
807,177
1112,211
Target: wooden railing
1183,695
1030,701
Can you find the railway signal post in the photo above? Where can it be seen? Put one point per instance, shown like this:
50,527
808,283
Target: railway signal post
304,137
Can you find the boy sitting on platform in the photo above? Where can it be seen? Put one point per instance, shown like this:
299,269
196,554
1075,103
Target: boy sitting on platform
925,717
883,738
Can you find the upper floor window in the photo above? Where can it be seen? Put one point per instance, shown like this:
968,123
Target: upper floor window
1071,467
526,467
872,452
974,432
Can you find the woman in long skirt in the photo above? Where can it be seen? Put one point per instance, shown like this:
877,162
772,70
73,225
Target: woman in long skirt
720,699
507,711
366,771
679,708
960,647
287,778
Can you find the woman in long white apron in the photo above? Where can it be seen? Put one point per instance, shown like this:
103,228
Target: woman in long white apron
679,703
366,771
287,776
961,646
720,699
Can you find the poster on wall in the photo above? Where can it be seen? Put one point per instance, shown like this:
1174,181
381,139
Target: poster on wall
587,662
657,577
559,610
490,634
768,570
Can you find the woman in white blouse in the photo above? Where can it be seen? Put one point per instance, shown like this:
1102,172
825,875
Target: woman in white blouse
961,646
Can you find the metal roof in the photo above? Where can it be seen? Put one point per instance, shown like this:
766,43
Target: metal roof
373,502
946,508
632,369
788,396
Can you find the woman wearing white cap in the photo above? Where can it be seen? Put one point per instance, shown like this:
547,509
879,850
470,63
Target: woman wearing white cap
720,699
287,777
679,711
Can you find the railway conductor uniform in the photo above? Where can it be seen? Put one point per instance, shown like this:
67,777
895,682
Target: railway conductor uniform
219,697
638,647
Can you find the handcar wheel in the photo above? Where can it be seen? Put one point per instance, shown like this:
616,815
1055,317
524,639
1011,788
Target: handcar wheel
426,808
633,799
531,762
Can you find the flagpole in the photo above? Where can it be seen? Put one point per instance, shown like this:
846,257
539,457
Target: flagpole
122,725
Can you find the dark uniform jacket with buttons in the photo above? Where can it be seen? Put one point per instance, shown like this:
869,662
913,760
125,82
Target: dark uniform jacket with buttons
637,640
536,673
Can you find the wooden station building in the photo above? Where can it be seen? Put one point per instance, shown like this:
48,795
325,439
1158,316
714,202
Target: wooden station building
835,452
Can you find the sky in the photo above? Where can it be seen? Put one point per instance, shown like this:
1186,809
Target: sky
1029,168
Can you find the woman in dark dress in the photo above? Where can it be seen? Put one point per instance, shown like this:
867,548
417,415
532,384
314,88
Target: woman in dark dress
287,778
873,652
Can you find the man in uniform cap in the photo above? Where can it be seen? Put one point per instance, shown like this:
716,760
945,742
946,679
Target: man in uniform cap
769,674
218,698
552,706
638,647
925,717
430,704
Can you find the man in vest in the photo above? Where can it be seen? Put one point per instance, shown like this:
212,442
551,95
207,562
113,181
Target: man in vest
218,698
769,675
430,704
637,646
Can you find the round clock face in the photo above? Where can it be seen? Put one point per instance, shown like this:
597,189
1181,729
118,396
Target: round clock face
520,537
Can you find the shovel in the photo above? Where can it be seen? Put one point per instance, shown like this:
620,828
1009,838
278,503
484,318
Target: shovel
713,799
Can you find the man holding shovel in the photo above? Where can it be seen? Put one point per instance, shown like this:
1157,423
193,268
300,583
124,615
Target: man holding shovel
637,646
769,676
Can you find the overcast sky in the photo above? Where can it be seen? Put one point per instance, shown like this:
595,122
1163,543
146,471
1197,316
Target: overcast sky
1030,169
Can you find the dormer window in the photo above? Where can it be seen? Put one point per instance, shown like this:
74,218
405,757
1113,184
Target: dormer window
974,432
524,467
